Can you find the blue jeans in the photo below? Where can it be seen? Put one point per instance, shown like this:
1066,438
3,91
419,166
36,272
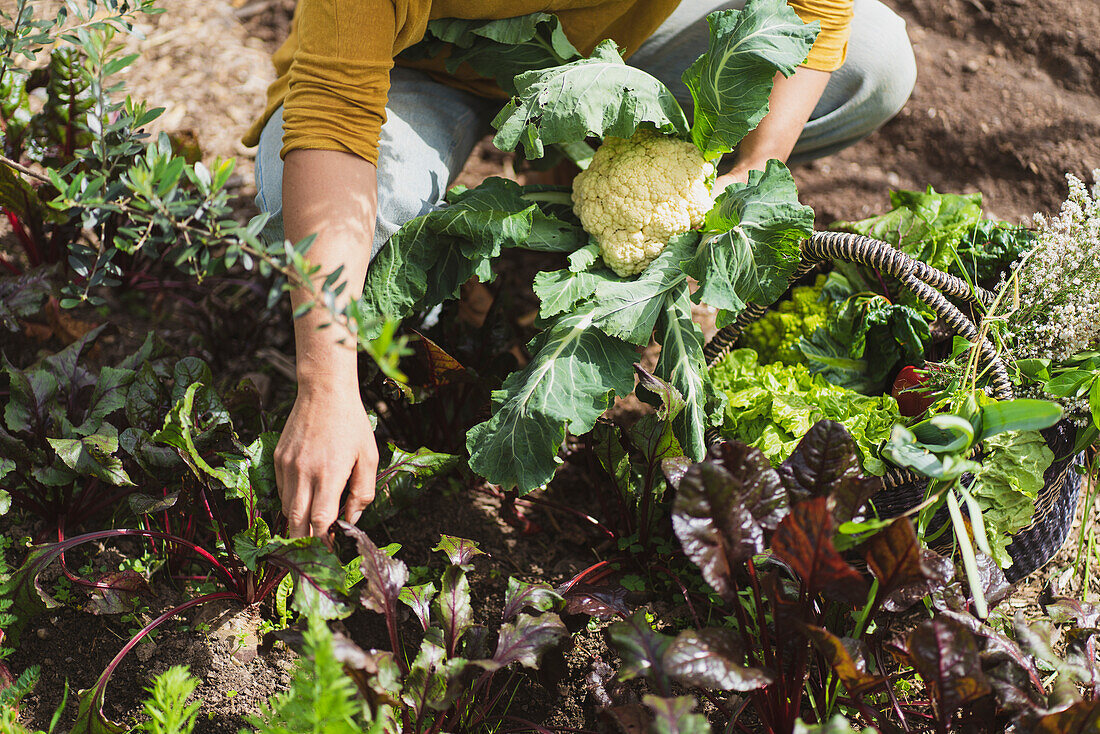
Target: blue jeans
431,129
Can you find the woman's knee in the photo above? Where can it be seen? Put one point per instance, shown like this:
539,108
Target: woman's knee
881,53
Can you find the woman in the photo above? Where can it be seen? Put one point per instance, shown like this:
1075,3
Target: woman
353,145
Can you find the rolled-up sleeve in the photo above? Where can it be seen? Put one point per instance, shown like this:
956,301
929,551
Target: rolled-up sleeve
831,45
339,76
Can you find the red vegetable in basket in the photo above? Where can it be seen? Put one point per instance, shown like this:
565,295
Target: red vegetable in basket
910,390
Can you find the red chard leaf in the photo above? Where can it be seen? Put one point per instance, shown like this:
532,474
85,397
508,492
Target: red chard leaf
945,655
712,658
804,541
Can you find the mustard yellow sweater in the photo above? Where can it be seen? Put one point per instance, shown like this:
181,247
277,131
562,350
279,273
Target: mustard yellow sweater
333,71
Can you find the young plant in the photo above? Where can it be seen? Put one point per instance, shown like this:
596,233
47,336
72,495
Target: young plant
451,680
592,318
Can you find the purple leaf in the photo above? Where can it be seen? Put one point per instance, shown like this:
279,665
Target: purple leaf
712,658
535,597
937,573
675,715
825,457
675,469
384,576
945,655
1074,611
419,599
116,593
459,550
826,463
525,640
641,648
844,656
602,602
669,400
318,576
893,556
804,541
1082,717
455,612
722,508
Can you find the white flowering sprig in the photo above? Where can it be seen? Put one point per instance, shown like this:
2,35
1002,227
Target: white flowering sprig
1054,289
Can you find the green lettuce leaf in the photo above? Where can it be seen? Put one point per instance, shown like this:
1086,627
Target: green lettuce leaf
923,224
599,96
772,406
731,82
864,339
1007,486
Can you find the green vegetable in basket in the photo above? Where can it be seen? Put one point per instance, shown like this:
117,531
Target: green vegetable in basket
771,406
1007,486
776,335
864,339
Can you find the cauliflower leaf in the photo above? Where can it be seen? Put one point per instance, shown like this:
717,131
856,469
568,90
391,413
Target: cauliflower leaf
599,96
732,81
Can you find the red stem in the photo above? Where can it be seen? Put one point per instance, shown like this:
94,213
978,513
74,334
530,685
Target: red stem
24,239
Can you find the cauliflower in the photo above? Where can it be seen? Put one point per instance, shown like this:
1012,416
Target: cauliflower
637,193
776,335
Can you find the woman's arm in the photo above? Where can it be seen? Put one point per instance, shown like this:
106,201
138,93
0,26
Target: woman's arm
327,443
791,103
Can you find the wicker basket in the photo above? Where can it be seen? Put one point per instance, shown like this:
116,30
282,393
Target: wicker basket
1036,544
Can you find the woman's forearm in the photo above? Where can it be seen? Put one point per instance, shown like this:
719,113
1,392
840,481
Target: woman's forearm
327,444
790,105
333,195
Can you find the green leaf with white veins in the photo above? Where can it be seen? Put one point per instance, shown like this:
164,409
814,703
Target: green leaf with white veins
570,381
501,49
682,364
751,243
599,96
628,308
732,81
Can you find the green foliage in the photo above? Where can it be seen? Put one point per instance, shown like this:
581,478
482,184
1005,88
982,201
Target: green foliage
497,49
321,698
449,683
771,406
923,224
1007,486
731,82
166,708
865,338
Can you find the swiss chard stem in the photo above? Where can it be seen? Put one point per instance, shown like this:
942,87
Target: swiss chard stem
970,561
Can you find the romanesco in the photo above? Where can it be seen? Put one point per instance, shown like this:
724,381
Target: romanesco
775,336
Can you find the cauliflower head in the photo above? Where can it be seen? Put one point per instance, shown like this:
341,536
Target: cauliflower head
637,193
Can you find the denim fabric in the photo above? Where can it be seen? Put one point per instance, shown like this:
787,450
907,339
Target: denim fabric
431,128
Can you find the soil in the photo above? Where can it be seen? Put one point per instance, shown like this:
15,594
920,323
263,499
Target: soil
1007,101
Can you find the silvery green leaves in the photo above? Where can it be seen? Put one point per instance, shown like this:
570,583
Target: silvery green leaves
599,96
427,260
751,243
732,81
498,49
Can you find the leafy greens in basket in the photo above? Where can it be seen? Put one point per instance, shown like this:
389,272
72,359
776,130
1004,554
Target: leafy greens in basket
592,319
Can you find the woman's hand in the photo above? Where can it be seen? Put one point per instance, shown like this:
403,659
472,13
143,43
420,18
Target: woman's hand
327,445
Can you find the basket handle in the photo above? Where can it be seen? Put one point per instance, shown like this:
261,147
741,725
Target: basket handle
926,282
